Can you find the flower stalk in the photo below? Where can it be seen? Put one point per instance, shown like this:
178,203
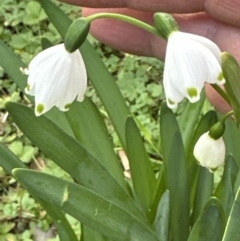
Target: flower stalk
221,92
124,18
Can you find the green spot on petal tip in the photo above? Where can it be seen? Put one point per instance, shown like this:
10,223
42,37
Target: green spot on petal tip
212,170
40,108
171,102
28,87
220,76
67,106
192,92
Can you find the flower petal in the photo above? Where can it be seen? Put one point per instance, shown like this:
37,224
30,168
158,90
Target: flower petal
51,84
187,69
207,43
79,69
77,83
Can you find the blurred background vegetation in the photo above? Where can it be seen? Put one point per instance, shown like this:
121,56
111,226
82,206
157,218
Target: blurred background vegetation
22,26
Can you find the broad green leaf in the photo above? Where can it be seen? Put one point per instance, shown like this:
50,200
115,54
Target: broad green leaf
176,175
231,232
225,189
231,72
204,191
232,139
161,222
9,162
90,234
11,65
210,224
85,205
141,171
64,228
98,74
168,129
188,120
59,118
90,130
71,156
193,168
160,189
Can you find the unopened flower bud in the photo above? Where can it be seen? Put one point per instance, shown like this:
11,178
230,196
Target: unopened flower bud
76,34
210,152
217,130
165,24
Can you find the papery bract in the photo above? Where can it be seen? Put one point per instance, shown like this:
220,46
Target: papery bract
56,78
210,153
191,61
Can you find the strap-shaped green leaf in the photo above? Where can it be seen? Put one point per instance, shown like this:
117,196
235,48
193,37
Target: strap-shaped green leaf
91,234
141,171
176,174
231,72
225,189
204,191
90,130
98,74
88,207
160,189
231,232
189,119
9,162
232,139
71,156
210,224
161,222
11,64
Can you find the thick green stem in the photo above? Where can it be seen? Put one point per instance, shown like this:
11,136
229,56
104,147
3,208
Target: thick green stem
124,18
221,92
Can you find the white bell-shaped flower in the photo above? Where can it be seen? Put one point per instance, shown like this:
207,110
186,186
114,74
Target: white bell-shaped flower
210,153
56,78
191,61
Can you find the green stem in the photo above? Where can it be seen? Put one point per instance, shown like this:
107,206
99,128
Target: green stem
124,18
230,113
221,92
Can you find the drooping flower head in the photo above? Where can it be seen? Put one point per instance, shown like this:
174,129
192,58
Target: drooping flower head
210,148
190,62
210,153
56,78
